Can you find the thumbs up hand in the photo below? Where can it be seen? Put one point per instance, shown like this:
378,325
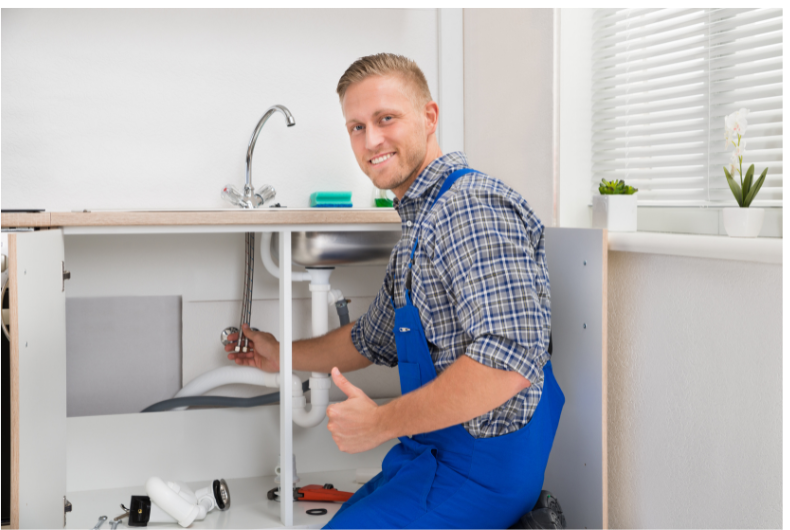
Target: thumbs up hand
355,423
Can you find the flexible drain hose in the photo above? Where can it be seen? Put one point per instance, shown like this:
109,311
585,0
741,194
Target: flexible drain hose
342,311
219,401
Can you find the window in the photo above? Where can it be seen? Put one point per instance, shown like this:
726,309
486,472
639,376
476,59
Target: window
662,82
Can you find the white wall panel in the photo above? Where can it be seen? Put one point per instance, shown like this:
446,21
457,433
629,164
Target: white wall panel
575,117
508,100
122,450
695,399
153,108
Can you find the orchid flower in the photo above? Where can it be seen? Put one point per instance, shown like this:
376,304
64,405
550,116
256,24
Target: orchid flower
734,131
735,126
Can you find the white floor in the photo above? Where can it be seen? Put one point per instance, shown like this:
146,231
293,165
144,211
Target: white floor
249,506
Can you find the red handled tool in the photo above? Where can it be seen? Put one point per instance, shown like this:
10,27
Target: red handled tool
314,492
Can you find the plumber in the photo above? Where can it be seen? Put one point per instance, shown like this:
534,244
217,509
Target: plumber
465,314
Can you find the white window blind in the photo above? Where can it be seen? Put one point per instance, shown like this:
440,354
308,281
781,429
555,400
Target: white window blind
663,81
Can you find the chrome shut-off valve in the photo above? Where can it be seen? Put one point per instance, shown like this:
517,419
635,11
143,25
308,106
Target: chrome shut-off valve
248,199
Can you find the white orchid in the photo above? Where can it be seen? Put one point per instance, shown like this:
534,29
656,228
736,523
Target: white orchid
735,126
734,131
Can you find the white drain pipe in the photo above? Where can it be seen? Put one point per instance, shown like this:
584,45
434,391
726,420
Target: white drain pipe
319,287
320,383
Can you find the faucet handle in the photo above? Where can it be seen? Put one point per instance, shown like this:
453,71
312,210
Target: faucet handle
232,195
265,193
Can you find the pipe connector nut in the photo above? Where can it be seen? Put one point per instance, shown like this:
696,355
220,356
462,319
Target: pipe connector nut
320,383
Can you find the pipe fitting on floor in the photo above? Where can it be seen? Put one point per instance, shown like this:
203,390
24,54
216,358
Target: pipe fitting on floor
175,502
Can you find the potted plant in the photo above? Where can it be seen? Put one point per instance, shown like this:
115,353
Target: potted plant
615,207
742,221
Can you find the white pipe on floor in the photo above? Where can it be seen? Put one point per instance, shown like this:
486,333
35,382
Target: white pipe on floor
169,505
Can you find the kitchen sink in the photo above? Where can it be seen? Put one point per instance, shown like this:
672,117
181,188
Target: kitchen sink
328,249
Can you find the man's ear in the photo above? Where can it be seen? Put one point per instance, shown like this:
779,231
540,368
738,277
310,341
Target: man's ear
431,114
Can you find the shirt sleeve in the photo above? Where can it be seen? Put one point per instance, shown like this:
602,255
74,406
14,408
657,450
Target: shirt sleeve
372,334
489,253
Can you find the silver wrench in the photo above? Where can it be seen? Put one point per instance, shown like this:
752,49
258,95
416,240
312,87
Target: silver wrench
114,524
101,522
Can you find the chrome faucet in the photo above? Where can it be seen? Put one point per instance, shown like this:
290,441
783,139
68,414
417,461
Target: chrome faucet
251,198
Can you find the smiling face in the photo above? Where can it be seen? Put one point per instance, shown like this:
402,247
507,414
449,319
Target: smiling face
392,136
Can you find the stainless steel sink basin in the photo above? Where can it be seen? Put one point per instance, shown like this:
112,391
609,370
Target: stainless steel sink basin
327,249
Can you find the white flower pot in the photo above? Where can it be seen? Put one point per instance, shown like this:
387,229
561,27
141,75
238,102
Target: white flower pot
615,212
743,222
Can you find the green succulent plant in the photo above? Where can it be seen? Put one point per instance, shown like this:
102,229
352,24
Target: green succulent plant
615,187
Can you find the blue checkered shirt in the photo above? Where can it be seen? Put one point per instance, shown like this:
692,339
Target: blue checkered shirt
480,284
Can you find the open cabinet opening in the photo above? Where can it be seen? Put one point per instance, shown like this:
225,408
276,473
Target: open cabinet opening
144,314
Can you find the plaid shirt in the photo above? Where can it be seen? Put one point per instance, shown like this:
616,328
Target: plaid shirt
480,284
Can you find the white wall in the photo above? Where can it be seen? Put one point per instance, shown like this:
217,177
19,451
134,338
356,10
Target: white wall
575,117
508,101
695,393
153,108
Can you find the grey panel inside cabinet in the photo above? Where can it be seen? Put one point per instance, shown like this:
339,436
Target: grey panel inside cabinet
123,353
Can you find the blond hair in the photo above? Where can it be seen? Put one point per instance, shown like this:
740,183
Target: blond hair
382,64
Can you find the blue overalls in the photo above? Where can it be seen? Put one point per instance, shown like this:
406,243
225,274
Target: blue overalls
447,478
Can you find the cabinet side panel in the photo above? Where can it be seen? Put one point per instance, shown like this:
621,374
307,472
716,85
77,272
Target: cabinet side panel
605,376
576,470
13,327
42,378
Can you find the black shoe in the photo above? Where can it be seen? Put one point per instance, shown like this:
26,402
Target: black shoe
547,513
541,519
547,500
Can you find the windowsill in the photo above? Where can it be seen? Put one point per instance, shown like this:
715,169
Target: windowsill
694,220
758,249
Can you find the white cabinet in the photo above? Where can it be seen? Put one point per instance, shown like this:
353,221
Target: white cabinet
109,457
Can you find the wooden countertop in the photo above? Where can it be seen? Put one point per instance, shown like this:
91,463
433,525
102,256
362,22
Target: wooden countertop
279,216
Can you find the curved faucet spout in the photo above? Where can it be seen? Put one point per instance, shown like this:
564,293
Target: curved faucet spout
249,191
